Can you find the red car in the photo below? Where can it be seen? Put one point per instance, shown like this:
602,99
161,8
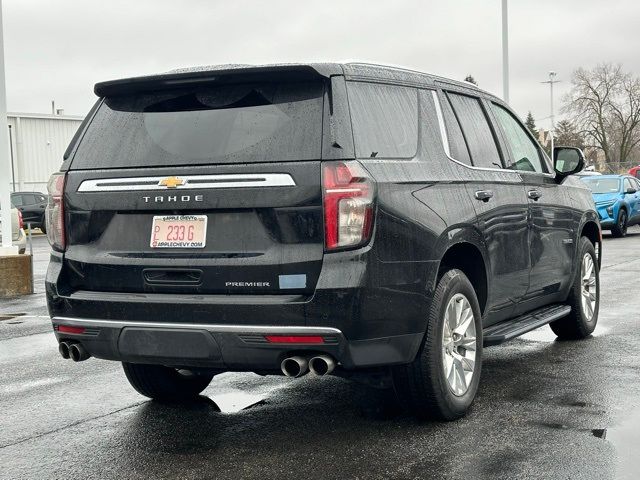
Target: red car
635,172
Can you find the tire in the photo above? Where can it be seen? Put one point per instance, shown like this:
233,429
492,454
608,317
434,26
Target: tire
43,228
619,230
164,383
422,385
583,318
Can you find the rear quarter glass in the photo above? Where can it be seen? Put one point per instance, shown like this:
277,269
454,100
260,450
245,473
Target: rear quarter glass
224,124
385,120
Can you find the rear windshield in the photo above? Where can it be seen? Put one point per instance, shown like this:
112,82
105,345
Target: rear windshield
221,124
602,185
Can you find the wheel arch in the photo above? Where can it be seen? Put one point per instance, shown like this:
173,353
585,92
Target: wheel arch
591,229
471,260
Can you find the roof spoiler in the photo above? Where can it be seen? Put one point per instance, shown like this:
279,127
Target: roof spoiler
179,79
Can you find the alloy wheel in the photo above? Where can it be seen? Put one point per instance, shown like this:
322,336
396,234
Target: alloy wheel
459,344
589,287
623,223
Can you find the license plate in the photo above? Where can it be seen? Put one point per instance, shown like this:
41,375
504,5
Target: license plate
179,231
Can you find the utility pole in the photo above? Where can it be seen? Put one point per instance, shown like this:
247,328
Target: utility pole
505,51
551,81
5,160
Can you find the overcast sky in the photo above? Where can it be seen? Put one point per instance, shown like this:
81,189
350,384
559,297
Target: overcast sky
59,49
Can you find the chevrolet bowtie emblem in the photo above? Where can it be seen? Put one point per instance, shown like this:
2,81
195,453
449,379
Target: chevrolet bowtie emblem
171,182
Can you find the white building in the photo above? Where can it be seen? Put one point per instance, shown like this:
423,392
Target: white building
37,142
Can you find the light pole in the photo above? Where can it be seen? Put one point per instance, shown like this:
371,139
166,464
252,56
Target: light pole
505,51
5,162
551,81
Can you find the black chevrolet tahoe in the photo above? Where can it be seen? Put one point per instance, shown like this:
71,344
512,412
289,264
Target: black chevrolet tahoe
350,219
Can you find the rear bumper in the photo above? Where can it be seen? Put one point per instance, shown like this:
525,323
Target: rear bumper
227,347
372,313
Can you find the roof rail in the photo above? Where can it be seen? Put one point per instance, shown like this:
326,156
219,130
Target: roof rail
404,69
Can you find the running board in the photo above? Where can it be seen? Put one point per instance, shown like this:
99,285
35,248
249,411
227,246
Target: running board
509,329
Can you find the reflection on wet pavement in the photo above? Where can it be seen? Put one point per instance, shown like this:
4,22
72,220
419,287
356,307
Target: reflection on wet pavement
624,438
236,401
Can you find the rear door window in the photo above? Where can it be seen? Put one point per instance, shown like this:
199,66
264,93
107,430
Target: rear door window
526,155
457,144
28,199
206,124
477,132
384,119
16,200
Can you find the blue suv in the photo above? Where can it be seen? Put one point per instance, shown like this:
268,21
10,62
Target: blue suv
617,199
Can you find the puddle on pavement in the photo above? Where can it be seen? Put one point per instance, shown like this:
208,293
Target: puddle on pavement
625,437
545,334
233,402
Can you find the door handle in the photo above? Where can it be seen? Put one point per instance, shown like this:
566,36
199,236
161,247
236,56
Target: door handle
483,195
534,194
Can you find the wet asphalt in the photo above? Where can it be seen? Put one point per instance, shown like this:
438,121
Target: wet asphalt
545,409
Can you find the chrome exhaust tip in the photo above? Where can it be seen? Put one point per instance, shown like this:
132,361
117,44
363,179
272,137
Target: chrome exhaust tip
294,366
322,365
63,348
78,353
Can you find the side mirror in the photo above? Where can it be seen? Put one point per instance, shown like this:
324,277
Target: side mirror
630,191
567,161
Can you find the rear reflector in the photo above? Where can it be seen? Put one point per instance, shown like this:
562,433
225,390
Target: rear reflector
293,339
69,329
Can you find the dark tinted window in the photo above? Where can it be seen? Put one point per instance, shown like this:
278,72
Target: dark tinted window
384,119
457,145
16,200
29,199
525,152
219,124
476,129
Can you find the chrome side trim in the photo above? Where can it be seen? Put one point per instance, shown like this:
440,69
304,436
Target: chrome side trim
86,322
191,182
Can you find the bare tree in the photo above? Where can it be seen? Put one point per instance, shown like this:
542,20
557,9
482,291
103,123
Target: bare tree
567,135
604,105
470,79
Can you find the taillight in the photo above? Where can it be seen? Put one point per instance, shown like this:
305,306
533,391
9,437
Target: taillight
348,205
54,212
20,221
